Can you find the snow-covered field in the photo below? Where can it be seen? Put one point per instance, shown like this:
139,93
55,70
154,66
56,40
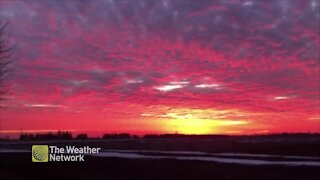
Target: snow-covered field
248,159
230,158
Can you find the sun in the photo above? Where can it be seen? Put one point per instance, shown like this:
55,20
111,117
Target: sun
200,126
197,121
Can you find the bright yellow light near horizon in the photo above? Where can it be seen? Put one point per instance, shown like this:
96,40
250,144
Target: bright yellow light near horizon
198,121
199,126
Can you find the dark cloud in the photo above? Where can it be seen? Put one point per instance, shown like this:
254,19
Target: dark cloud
258,56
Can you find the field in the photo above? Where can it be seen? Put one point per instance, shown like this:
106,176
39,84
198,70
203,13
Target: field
163,158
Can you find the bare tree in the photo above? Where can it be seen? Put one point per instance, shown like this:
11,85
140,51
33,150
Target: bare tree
5,54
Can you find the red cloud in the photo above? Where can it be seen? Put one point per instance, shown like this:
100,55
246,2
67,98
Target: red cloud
104,68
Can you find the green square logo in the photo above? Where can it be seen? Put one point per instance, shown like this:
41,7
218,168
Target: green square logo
40,153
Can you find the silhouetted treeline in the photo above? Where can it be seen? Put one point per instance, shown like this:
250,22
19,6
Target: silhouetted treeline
82,136
153,136
280,135
67,135
117,136
47,136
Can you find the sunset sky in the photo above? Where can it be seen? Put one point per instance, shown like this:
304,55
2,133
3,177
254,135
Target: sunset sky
141,66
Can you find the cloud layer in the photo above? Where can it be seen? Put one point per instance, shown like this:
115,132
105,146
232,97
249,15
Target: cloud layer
106,64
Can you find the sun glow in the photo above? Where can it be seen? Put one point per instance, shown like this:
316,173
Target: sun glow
199,121
200,126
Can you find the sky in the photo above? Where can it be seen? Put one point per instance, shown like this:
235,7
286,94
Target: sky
179,66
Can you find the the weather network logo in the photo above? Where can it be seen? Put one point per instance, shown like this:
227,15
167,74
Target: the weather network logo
46,153
40,153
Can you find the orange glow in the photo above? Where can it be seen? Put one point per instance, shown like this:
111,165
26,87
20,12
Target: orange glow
200,126
198,121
